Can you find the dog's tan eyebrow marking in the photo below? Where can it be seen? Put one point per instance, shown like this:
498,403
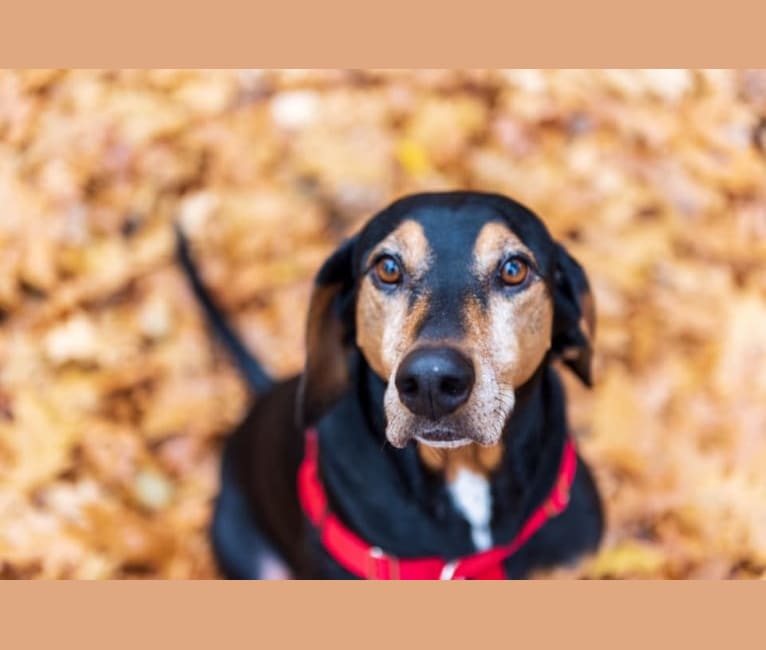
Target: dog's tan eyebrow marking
494,241
409,241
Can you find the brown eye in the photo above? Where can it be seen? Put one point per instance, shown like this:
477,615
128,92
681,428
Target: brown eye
514,271
388,270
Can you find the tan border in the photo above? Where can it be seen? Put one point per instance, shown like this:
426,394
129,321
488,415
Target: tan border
424,615
212,615
395,33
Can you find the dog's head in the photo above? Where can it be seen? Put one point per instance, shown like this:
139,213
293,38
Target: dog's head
455,300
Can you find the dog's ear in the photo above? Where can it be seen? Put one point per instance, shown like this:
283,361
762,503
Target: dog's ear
329,336
574,316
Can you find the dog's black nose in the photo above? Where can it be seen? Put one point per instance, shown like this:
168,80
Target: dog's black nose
434,382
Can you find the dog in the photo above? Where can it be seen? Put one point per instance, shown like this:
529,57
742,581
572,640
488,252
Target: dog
427,435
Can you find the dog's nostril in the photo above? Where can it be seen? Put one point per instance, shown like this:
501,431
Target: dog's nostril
408,385
452,386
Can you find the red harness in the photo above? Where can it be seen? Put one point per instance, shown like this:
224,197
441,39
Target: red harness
365,561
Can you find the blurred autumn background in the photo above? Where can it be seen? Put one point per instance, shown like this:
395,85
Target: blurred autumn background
114,397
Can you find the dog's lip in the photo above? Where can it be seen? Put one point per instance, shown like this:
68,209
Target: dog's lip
447,443
442,438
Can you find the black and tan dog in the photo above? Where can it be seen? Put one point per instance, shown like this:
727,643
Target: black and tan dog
438,443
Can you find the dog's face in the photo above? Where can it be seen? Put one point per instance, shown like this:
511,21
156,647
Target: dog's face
454,299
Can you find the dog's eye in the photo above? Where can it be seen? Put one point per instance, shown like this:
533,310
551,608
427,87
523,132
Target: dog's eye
388,270
514,271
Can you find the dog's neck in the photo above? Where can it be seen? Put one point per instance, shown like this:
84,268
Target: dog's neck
401,505
514,461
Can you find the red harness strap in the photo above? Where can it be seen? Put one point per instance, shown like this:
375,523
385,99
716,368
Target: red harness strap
365,561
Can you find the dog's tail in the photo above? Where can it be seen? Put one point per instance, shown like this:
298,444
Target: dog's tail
253,371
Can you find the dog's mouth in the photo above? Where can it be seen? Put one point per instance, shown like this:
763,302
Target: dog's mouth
442,438
445,434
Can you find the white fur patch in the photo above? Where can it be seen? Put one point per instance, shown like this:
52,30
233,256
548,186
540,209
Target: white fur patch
471,495
272,568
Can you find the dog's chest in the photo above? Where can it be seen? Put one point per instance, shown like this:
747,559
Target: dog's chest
466,471
471,496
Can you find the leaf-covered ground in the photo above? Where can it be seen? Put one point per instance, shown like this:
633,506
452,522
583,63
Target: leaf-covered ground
114,399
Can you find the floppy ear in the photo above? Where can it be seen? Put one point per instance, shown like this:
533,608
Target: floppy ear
329,336
574,316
